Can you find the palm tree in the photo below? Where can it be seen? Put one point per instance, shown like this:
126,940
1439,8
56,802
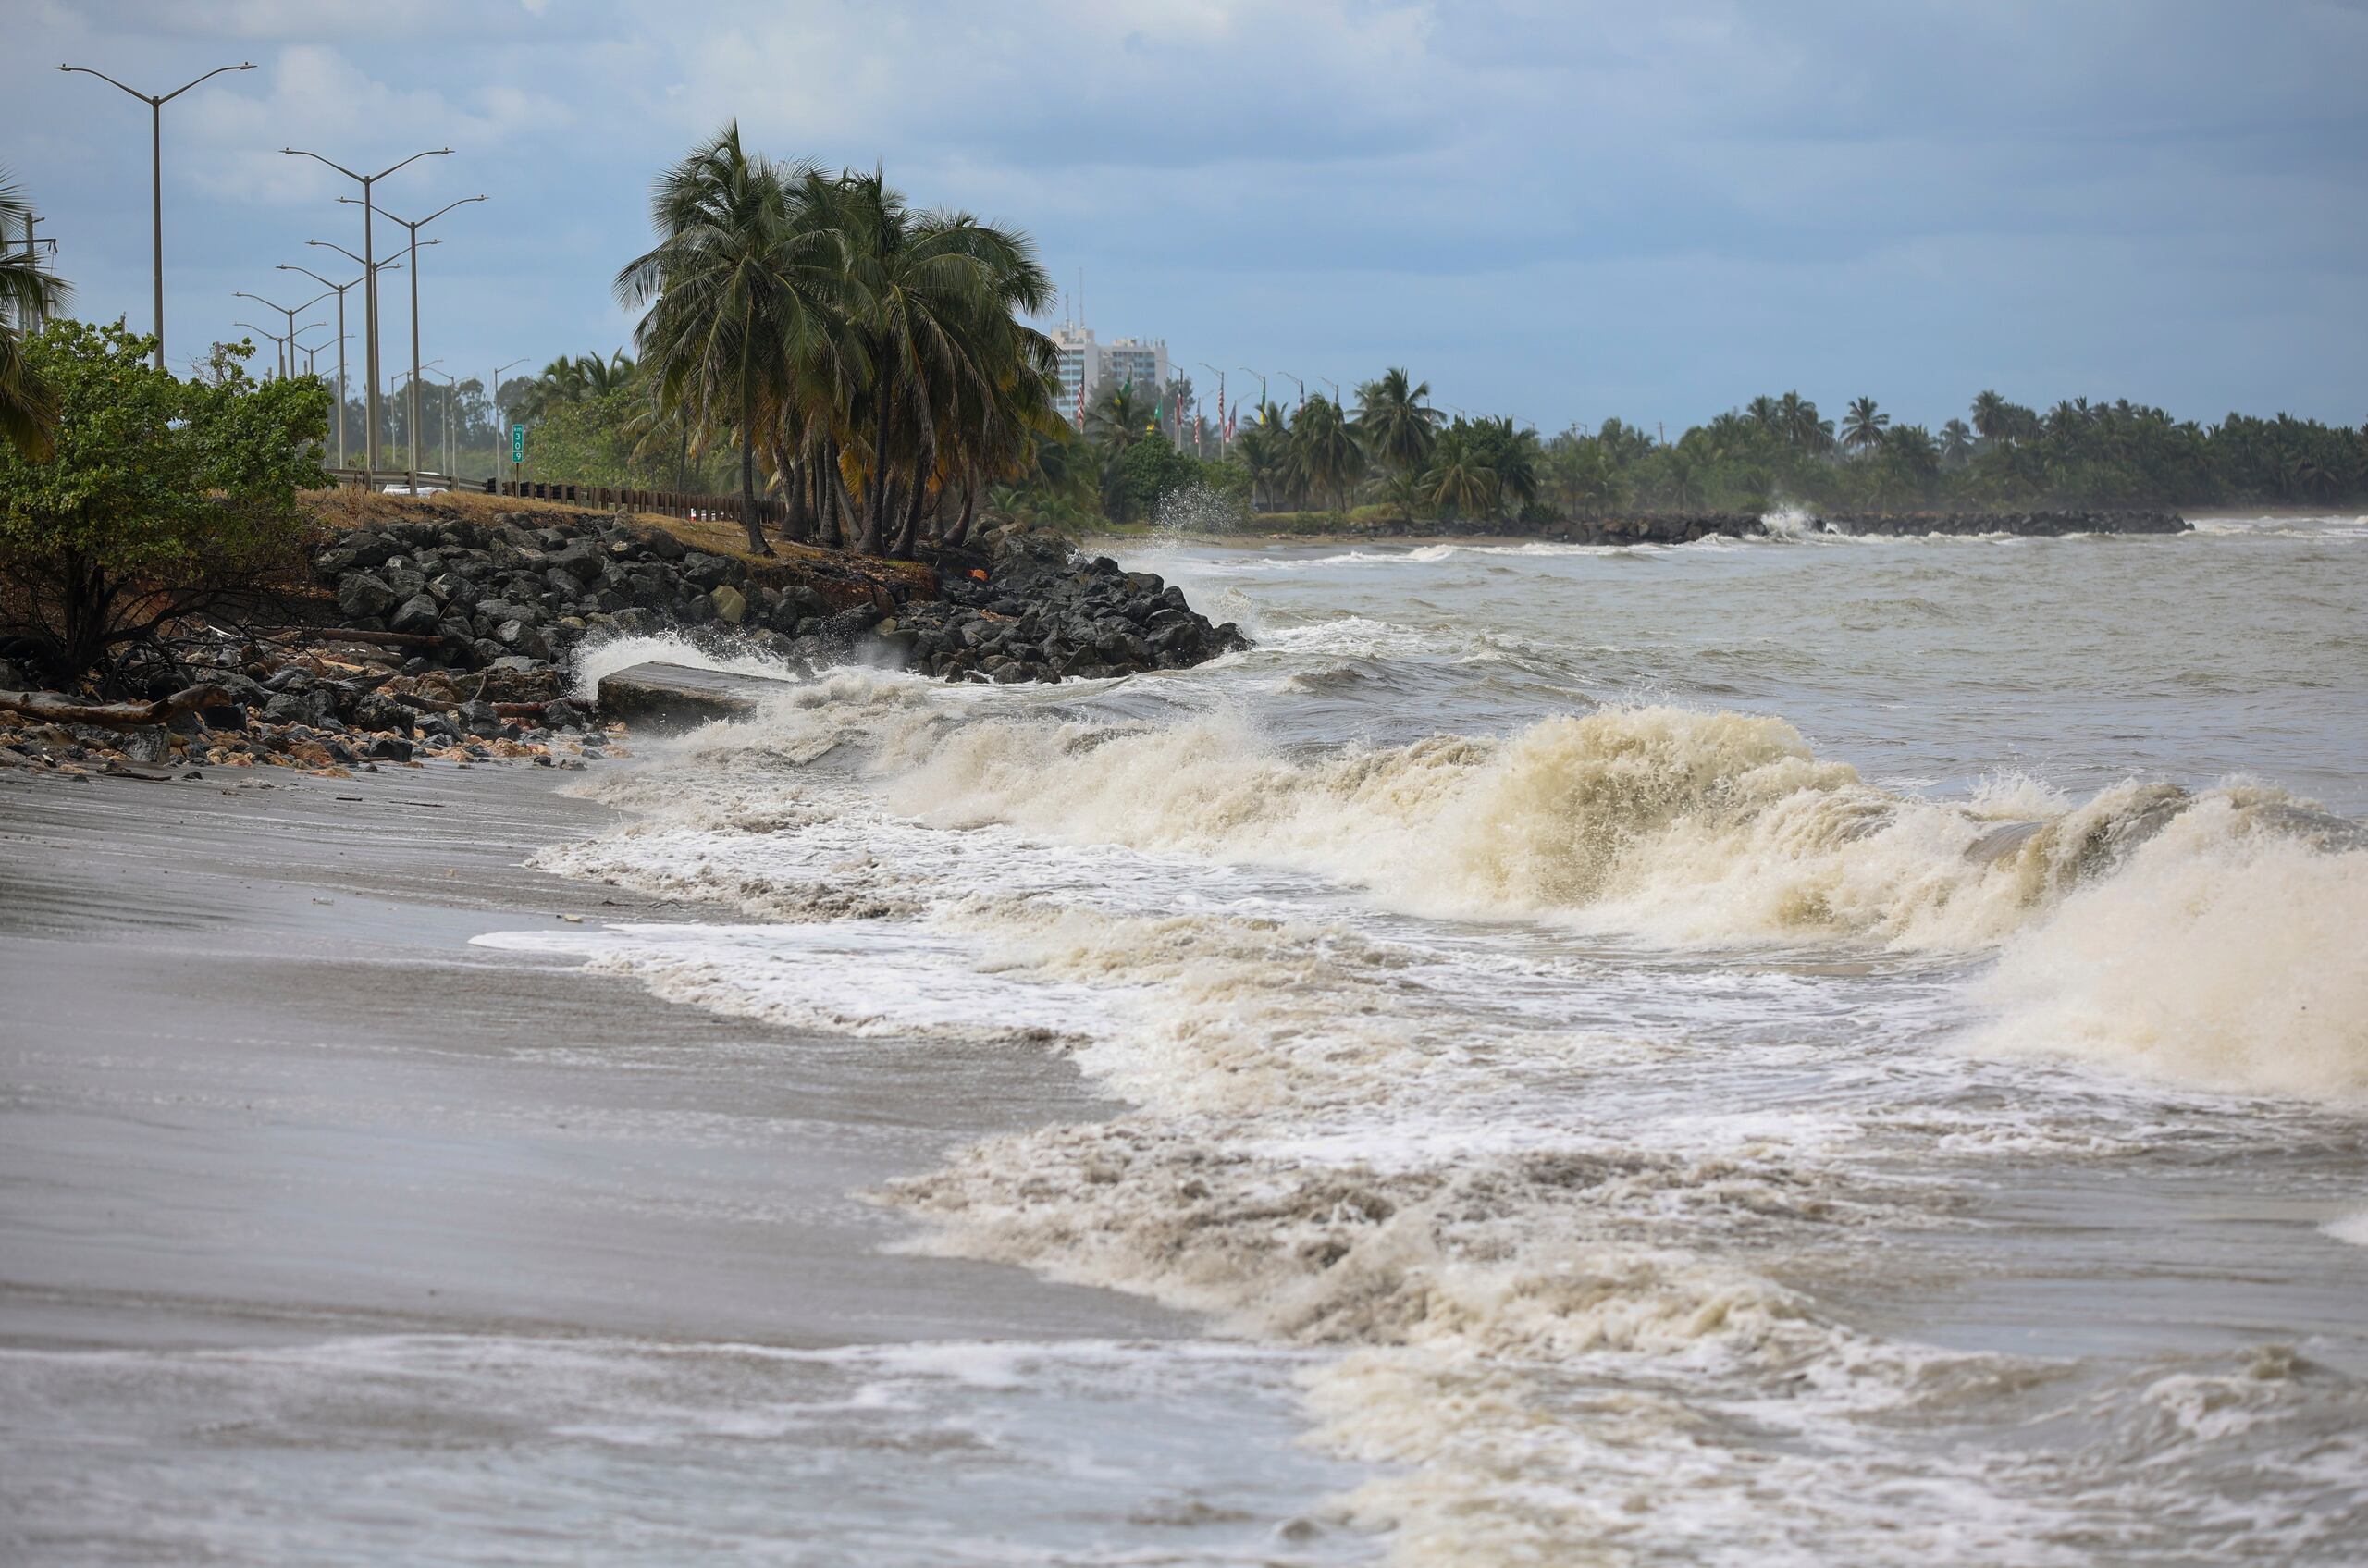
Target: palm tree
1863,427
28,292
1515,457
566,380
1992,416
734,288
935,299
1117,419
1261,446
1323,445
1956,441
1804,431
1767,414
1459,481
1397,425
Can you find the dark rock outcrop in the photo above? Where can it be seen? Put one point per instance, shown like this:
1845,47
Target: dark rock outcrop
1035,611
1026,608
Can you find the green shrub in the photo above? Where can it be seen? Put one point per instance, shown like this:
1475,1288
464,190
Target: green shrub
163,494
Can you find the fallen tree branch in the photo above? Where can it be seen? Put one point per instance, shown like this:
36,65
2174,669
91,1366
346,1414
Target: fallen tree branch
59,708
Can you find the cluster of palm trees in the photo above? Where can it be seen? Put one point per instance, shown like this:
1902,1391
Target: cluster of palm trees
866,361
28,292
572,380
1777,449
1394,449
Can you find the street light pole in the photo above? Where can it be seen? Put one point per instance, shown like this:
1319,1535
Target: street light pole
338,289
1262,386
451,386
295,348
279,343
369,271
288,367
493,396
1295,382
156,171
411,446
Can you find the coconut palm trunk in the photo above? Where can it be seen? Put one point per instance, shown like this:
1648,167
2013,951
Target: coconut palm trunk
748,519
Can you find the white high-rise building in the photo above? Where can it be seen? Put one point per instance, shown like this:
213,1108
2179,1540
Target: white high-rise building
1080,365
1093,366
1142,362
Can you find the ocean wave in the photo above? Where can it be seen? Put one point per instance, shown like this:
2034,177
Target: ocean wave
2213,957
1563,1262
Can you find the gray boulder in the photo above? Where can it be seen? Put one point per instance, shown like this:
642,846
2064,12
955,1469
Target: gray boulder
418,614
362,597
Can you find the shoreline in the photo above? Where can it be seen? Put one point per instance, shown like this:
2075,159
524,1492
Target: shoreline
328,920
270,1118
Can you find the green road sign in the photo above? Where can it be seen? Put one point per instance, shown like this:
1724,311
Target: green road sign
517,443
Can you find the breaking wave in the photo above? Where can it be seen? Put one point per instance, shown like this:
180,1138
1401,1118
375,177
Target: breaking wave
2143,926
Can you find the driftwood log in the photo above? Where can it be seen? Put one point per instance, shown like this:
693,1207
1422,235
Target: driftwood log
501,710
378,639
59,708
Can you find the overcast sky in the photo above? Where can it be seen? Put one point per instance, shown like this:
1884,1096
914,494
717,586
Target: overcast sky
1556,209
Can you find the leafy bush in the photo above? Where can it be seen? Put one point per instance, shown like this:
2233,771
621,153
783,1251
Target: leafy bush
163,494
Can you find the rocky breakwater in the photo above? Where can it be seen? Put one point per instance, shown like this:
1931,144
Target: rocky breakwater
1677,528
531,587
2021,524
520,593
1034,610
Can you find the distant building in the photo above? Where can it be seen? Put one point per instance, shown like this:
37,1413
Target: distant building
1093,367
1140,362
1080,365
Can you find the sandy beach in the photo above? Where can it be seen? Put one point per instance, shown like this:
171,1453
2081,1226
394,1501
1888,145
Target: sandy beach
274,1129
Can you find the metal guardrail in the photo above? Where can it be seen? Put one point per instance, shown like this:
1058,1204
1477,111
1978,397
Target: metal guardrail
603,498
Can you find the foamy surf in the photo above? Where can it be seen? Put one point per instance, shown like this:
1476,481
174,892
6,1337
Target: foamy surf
1596,1102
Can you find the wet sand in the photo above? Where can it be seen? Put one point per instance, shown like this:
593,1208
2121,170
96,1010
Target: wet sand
259,1096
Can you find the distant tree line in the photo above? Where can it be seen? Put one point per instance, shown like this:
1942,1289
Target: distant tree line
1392,454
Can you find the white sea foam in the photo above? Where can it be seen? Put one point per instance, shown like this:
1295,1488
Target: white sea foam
1552,1074
596,660
2213,958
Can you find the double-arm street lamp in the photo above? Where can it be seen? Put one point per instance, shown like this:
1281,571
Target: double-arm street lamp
288,367
156,171
412,228
281,341
370,293
389,264
1262,386
412,435
339,290
296,348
